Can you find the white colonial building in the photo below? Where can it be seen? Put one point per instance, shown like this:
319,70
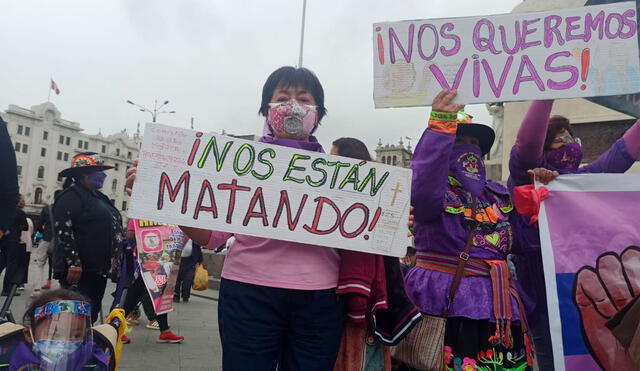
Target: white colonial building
45,143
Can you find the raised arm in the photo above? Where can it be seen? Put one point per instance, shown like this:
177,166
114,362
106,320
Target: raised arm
632,141
620,157
430,161
529,144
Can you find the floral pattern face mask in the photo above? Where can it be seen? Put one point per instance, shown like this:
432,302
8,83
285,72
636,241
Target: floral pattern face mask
292,119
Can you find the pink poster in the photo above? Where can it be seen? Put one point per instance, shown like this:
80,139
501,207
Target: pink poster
159,248
590,235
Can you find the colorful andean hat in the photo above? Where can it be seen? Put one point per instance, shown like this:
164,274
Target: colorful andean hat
484,133
82,162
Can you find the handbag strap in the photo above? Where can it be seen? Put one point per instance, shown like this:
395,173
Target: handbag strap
463,257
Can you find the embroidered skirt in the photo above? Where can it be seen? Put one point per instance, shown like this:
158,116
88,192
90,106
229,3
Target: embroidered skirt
467,347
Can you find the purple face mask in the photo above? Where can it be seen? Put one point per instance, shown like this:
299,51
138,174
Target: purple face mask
97,179
468,168
567,157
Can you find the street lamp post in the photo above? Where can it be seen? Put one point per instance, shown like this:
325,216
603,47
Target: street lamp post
154,113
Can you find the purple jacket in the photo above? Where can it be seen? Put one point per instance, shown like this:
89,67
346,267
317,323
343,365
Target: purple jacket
526,154
439,226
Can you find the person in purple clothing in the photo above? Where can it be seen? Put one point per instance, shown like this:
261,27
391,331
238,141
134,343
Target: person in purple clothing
550,143
486,325
278,307
58,336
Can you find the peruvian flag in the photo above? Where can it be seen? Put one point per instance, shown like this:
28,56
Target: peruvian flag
54,87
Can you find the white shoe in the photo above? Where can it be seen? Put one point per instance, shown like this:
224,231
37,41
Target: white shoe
153,325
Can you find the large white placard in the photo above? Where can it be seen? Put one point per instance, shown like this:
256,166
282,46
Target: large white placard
227,184
582,52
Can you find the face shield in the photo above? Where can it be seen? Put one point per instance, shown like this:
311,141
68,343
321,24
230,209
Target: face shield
62,335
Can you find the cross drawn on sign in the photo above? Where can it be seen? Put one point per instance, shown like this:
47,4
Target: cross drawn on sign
395,191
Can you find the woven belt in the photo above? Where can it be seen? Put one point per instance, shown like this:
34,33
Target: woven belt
503,290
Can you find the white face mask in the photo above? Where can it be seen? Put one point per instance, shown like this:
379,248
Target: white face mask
292,119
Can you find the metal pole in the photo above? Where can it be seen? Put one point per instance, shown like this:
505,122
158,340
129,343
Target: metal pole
304,10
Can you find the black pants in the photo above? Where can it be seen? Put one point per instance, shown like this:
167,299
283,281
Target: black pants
135,295
92,285
185,277
264,328
13,257
25,277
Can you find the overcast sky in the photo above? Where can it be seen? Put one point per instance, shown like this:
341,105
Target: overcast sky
209,58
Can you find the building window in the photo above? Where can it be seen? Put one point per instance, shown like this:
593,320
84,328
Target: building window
27,131
19,168
113,202
129,155
395,160
61,141
24,148
45,135
124,205
59,156
117,151
43,152
86,145
66,157
37,198
116,166
20,129
104,149
59,178
40,172
68,141
17,146
79,143
383,159
114,185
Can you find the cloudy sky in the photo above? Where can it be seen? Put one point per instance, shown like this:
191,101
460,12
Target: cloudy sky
209,58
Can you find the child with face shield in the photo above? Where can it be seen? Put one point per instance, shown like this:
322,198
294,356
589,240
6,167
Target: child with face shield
58,335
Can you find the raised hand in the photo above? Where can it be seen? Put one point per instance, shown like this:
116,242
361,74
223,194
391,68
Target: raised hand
131,177
599,294
443,102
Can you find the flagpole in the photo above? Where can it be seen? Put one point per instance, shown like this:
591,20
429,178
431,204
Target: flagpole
304,9
49,96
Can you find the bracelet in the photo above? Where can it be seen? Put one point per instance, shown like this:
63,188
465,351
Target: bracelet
444,116
447,127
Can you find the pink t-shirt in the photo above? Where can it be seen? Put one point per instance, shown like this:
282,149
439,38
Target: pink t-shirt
275,263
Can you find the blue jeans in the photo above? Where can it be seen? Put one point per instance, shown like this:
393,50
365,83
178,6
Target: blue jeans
264,328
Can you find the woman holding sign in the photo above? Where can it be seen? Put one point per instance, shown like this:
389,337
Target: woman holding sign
278,306
463,235
550,142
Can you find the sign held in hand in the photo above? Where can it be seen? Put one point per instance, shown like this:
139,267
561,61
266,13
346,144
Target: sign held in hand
227,184
568,53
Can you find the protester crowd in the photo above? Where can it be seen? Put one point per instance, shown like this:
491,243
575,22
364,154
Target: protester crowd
451,304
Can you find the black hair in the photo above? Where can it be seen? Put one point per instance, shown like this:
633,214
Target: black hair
52,295
352,147
557,124
288,76
77,177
